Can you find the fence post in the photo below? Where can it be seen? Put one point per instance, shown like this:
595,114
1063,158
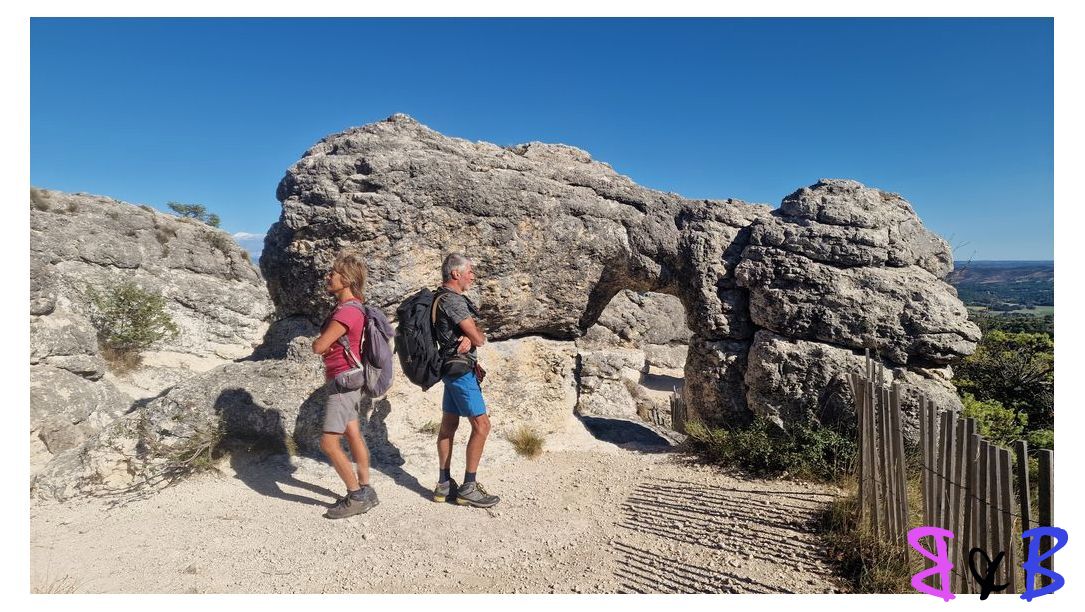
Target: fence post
994,545
1046,506
955,500
902,475
1024,498
968,537
860,468
982,517
1009,563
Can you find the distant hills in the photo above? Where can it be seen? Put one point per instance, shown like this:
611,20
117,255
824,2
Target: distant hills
1004,285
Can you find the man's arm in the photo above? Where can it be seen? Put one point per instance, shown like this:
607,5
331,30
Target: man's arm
470,330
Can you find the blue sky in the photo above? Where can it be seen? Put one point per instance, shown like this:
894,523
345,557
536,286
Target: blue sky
954,114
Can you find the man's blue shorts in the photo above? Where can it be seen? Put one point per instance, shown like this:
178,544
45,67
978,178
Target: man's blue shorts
463,396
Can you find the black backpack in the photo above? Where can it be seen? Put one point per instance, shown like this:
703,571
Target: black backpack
416,340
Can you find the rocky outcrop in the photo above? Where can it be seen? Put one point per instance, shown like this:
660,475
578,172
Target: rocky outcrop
587,284
212,291
556,236
277,398
80,244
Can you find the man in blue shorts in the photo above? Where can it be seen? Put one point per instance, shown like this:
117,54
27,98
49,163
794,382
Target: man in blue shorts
458,334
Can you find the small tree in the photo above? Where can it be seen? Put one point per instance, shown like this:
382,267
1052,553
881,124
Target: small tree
129,319
194,211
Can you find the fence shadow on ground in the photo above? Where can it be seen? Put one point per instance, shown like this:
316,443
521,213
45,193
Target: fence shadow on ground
732,523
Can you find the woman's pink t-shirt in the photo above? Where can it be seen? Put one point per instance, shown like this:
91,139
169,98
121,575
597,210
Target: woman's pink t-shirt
335,360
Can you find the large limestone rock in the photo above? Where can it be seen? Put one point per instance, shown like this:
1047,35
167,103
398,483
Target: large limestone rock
799,381
277,398
213,292
778,306
80,244
556,235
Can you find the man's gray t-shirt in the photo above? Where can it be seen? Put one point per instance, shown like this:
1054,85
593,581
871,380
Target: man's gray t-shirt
451,310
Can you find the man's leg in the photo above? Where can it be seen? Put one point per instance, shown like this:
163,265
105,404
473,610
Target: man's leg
359,450
329,443
449,423
480,429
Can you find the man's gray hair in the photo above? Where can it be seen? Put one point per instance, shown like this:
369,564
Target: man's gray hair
454,261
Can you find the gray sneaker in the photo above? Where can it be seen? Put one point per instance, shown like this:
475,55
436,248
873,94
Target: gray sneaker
472,494
441,493
349,506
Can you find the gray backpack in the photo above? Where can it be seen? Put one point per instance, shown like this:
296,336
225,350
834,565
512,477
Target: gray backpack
372,371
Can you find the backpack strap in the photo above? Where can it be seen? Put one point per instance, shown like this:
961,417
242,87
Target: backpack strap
437,298
343,340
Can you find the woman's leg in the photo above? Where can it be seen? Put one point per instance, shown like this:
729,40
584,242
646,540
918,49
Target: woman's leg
359,450
329,443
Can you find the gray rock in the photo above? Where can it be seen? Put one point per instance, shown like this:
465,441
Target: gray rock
842,222
66,409
798,381
213,291
906,314
68,341
714,391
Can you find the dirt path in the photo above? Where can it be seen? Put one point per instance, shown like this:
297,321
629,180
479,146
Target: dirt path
584,517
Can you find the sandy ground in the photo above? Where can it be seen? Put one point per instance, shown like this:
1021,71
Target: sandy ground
586,516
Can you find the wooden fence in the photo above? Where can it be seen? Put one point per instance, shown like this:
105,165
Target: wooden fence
675,418
967,482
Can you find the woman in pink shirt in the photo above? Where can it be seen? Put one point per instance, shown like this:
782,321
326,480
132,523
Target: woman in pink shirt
346,281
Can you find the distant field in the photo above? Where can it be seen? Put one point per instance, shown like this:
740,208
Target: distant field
1038,311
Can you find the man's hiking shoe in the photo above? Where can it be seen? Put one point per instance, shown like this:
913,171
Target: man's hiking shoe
472,494
349,505
442,492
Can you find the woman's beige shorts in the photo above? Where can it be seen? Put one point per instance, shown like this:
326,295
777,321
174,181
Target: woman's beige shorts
341,408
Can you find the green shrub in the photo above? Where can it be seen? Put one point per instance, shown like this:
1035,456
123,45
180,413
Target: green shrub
763,448
1041,438
996,422
194,211
129,319
1017,370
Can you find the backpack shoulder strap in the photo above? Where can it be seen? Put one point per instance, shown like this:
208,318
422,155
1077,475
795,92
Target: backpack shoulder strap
436,299
344,340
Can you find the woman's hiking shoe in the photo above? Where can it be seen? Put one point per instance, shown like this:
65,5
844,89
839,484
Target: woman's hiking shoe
362,501
442,492
472,494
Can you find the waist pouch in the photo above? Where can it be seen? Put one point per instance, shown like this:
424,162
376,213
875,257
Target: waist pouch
352,379
455,366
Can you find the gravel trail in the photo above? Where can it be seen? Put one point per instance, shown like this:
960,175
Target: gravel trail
585,517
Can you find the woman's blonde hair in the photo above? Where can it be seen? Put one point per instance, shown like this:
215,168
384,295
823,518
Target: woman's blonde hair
350,266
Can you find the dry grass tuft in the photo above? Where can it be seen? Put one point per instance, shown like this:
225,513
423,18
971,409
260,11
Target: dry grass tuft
526,441
431,427
121,361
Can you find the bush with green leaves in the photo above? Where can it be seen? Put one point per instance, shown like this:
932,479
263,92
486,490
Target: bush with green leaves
996,423
130,319
1017,370
194,211
761,447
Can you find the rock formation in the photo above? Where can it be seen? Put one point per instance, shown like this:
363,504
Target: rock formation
81,243
556,235
584,281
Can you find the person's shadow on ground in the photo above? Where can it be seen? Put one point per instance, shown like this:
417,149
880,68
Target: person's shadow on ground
383,455
265,465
